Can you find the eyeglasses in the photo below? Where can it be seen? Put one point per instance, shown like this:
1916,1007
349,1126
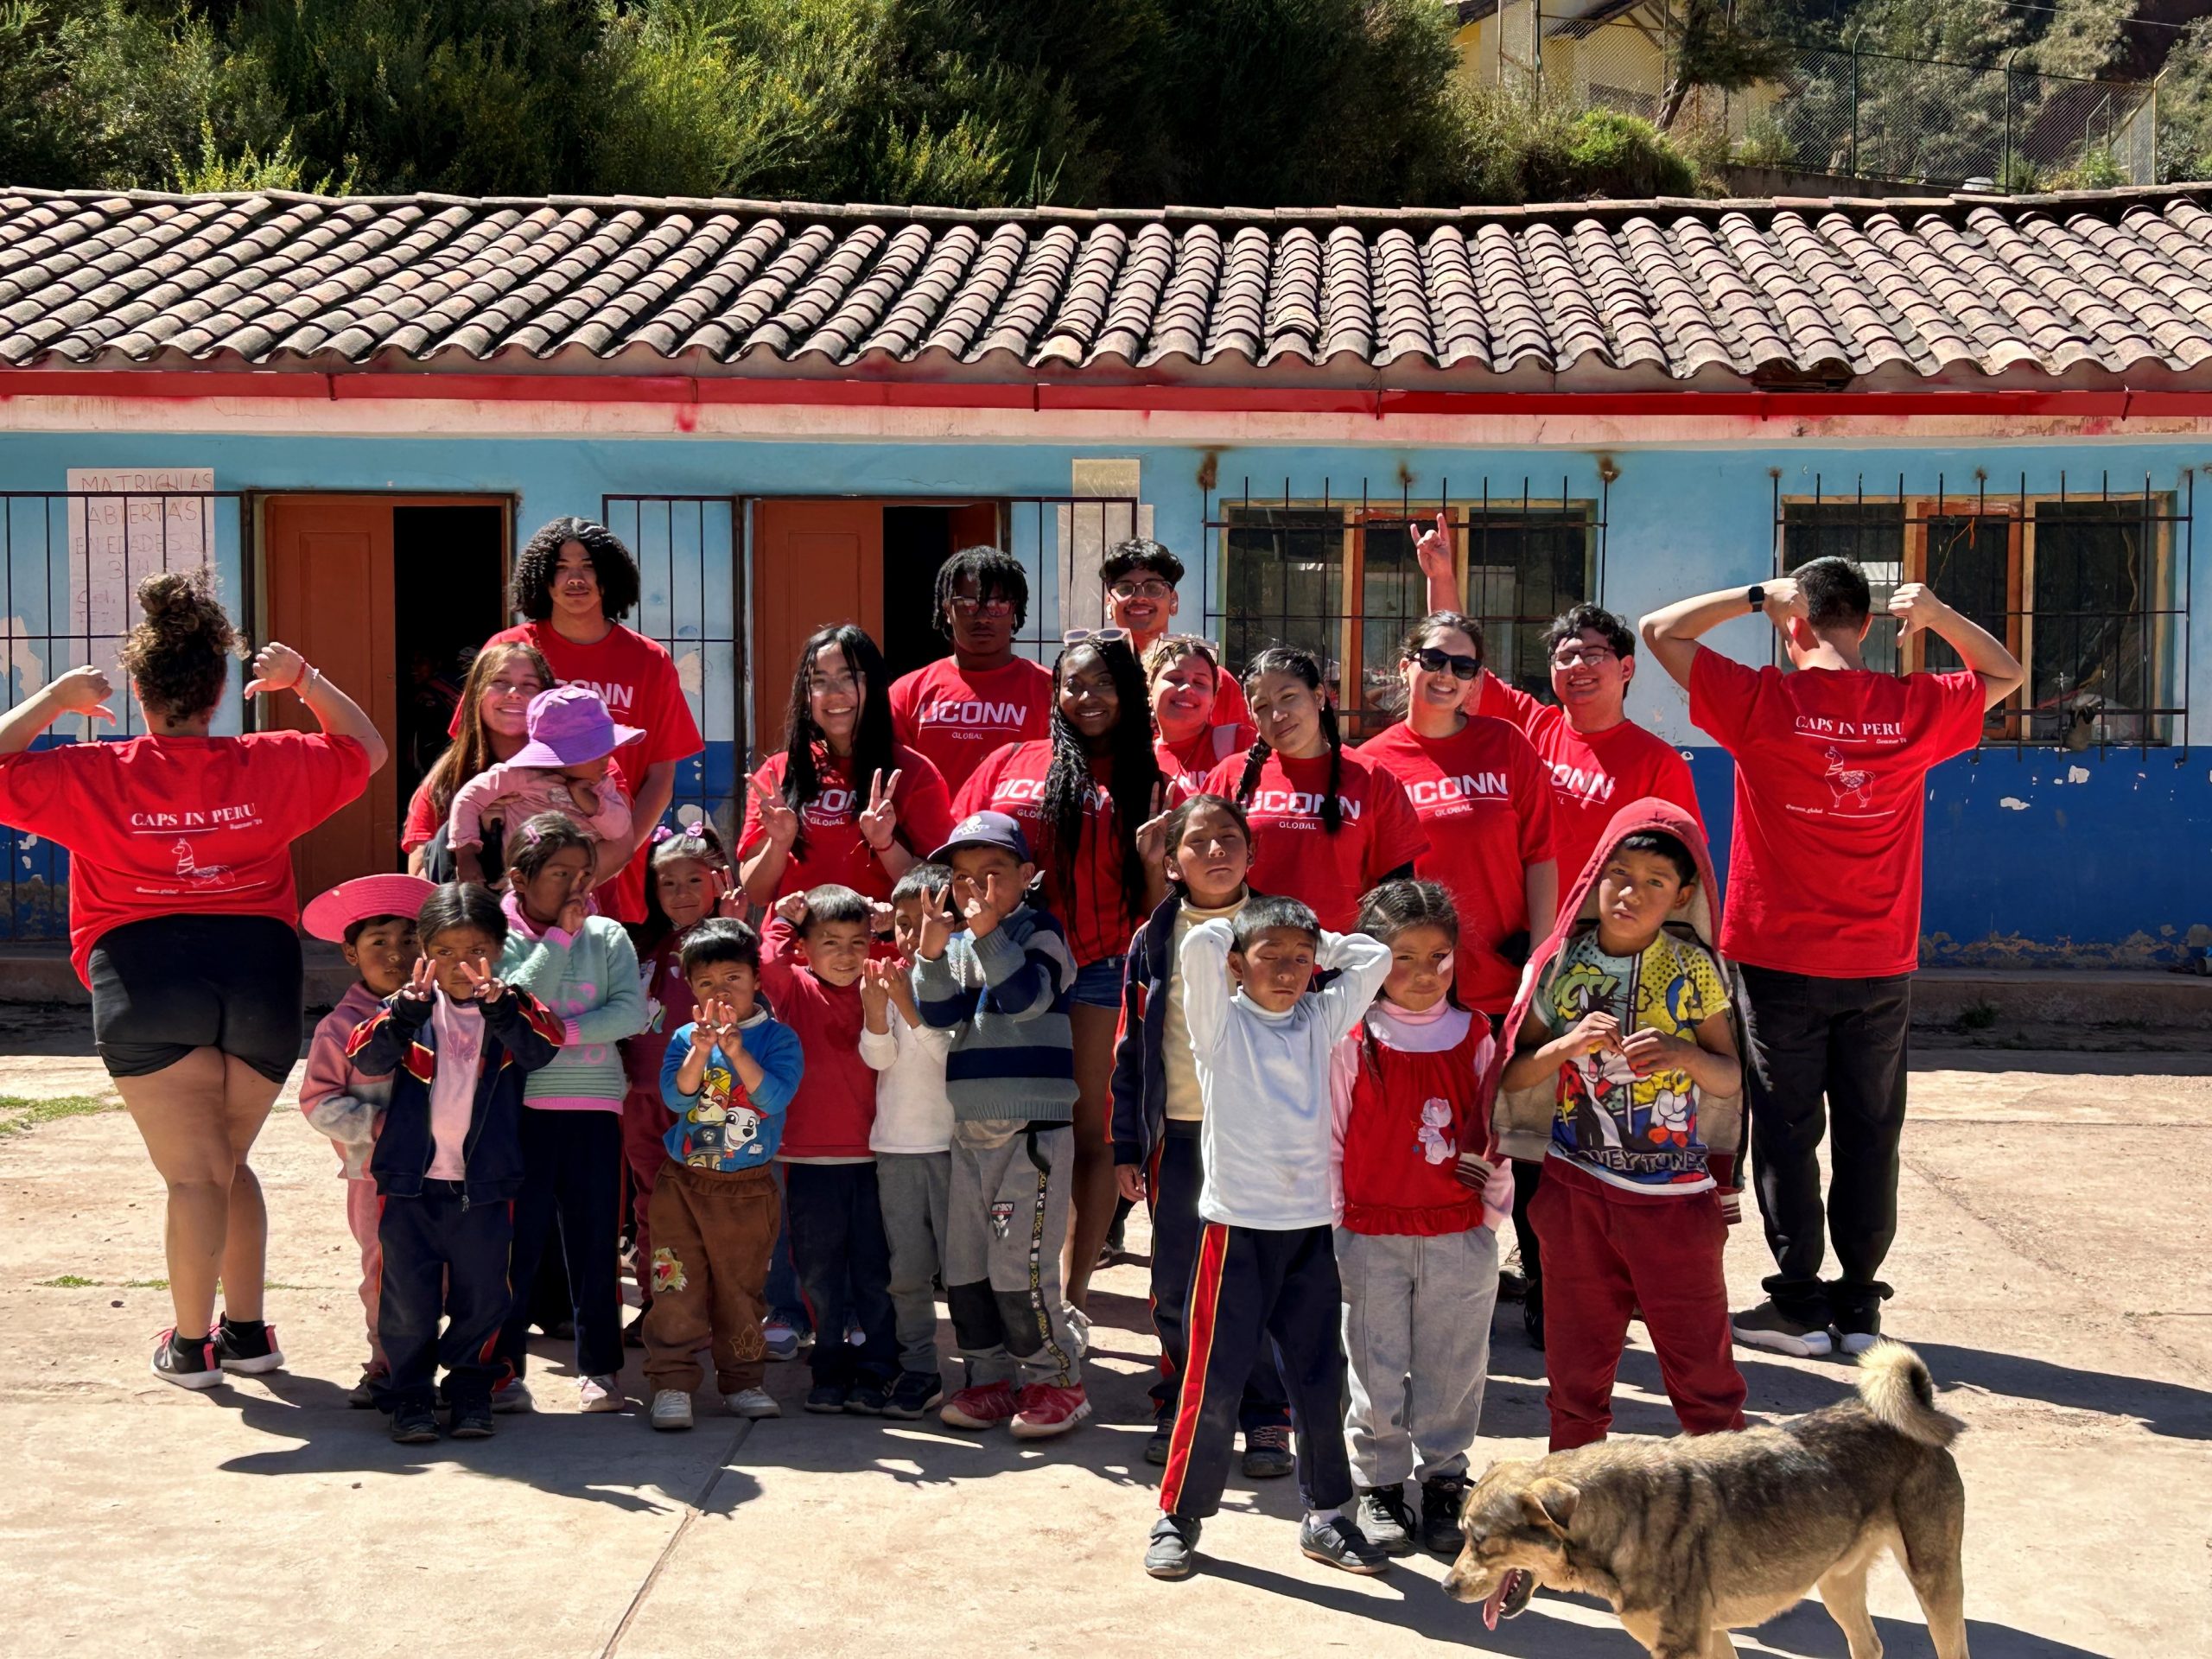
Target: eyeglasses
1152,588
983,606
1434,661
1575,656
1093,636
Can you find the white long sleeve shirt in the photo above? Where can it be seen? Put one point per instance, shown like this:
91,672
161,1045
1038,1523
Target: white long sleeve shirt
913,1111
1265,1137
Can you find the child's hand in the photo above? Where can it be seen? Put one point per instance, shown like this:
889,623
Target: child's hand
1473,1171
572,917
729,899
1648,1050
875,989
881,821
900,980
421,983
792,908
883,919
938,926
1592,1032
1128,1181
1152,834
984,906
483,984
583,795
777,820
720,1022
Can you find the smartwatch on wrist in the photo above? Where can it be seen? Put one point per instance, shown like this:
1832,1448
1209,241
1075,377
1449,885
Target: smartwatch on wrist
1755,596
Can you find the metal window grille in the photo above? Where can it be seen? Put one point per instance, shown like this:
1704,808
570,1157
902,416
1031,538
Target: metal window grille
1338,577
70,564
2088,590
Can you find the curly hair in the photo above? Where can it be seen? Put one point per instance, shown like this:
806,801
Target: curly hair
531,592
1305,667
1571,624
469,756
180,655
873,741
995,572
1068,794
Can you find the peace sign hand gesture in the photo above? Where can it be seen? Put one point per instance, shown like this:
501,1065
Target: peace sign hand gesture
880,822
483,984
773,813
1433,548
938,926
728,898
985,904
422,983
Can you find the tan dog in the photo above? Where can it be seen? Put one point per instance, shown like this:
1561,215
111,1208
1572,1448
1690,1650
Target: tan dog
1687,1538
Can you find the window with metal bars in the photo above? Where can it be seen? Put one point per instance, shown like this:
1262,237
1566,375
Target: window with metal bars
1340,578
2089,590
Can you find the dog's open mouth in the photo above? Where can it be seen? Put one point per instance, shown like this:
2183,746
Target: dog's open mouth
1510,1597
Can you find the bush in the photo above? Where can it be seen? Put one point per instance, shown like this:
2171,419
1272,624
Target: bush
1545,154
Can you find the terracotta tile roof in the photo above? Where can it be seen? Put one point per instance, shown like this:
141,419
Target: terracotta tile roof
2098,288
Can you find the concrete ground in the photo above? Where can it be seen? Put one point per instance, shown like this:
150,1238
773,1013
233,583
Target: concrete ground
2053,1266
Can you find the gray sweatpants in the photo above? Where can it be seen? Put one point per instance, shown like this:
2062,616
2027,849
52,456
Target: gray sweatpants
1007,1217
1417,1336
912,1186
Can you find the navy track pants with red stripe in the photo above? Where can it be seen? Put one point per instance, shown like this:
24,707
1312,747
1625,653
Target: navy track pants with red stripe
1174,1183
1250,1287
443,1256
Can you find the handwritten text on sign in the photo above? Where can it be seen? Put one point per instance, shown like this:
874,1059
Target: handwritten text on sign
158,518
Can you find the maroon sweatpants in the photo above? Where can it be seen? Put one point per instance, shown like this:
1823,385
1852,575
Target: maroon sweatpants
1605,1257
644,1120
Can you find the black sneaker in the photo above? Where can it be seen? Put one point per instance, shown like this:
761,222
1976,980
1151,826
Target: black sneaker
1338,1542
189,1362
248,1349
1173,1552
1385,1519
1532,1313
1767,1326
1155,1445
1266,1452
413,1425
827,1396
1441,1500
472,1422
914,1393
864,1399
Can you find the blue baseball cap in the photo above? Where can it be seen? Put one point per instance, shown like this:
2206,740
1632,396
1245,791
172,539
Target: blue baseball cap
985,830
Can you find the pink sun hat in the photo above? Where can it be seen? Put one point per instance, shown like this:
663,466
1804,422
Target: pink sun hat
329,914
568,727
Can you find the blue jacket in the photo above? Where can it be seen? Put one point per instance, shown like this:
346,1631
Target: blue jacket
519,1036
1139,1088
725,1126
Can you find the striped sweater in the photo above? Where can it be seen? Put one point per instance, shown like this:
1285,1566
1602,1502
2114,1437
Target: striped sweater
1005,998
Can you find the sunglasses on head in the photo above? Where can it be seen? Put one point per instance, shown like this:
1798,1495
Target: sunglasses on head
1093,636
1434,661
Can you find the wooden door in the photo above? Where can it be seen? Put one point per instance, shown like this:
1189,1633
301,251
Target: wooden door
814,563
328,574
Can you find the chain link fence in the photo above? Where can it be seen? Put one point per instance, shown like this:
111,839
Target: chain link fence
1852,114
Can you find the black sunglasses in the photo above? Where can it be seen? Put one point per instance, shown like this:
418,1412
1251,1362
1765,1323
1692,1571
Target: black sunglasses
1434,661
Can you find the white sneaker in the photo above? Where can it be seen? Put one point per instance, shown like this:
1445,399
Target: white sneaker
1857,1341
1766,1327
671,1408
751,1403
600,1394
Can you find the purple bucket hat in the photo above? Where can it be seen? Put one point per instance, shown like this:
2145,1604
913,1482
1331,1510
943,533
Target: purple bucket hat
570,727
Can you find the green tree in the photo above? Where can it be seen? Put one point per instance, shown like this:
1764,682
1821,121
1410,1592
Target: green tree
1725,44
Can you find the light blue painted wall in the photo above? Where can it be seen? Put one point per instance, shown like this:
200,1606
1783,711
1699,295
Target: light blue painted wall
2035,856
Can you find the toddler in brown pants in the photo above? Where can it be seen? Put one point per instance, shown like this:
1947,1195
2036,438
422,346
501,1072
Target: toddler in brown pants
728,1077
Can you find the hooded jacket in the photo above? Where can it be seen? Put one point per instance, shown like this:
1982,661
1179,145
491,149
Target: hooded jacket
1520,1121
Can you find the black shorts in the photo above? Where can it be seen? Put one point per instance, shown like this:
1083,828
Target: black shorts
168,985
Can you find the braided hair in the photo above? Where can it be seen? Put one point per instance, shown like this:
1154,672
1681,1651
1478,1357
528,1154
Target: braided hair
1135,773
873,741
1305,667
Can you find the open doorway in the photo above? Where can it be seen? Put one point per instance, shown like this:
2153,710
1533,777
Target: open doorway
916,541
458,554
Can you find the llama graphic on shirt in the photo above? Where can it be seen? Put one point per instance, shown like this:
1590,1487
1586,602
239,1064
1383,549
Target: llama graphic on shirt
187,866
1852,784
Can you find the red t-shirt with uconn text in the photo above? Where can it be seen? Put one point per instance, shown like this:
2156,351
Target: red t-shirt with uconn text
1824,859
835,849
1485,801
957,719
1100,915
1294,855
170,826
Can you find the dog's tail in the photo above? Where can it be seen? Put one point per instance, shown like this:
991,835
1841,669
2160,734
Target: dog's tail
1896,1388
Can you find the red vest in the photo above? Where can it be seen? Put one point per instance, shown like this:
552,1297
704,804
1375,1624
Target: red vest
1401,1140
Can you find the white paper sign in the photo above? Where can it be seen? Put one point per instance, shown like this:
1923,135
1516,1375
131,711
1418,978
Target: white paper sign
158,517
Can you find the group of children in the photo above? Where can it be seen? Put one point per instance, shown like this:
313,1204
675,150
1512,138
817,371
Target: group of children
890,1088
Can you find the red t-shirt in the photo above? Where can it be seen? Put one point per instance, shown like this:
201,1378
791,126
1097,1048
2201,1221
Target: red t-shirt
1485,801
170,826
1294,855
835,850
636,678
1510,703
1594,774
1824,860
1098,916
834,1109
1229,707
1190,762
957,720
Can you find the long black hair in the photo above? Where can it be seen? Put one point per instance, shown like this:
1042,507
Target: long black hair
1179,820
1305,666
1135,774
873,742
616,571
